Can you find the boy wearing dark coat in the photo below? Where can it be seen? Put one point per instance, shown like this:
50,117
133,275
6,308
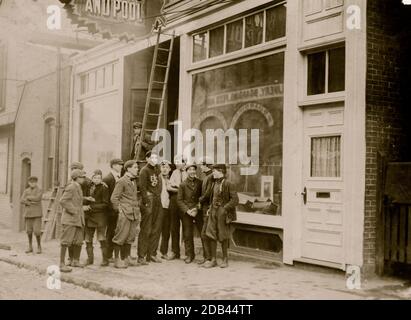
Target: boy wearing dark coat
222,212
96,217
72,220
151,210
125,203
110,180
188,201
33,212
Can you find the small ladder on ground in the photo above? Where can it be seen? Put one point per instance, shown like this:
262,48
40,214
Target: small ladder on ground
159,76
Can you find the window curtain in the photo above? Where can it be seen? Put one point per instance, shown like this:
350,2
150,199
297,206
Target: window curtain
326,157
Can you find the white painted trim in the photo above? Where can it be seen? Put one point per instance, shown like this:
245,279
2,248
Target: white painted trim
292,137
355,130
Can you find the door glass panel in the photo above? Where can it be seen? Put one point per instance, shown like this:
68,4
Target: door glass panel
336,74
200,46
326,157
316,73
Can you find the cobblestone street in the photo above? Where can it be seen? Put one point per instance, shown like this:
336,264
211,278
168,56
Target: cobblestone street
175,280
18,284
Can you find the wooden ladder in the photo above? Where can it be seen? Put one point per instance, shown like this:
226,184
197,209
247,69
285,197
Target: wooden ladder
51,224
159,76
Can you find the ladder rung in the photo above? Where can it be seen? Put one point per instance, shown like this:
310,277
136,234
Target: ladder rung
159,82
161,65
154,114
151,130
164,49
154,98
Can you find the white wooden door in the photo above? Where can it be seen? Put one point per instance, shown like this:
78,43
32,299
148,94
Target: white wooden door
322,208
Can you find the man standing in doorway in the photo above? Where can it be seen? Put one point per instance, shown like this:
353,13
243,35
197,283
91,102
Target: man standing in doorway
150,189
125,203
146,143
110,180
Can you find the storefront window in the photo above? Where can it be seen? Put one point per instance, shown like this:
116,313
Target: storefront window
216,42
247,95
254,26
200,46
234,36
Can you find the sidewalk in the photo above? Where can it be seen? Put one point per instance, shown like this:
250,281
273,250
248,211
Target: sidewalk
175,280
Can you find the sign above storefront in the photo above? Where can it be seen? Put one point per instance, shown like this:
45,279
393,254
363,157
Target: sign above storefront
124,19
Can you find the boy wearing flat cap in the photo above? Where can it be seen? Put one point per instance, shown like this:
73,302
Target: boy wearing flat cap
125,203
188,201
96,217
72,220
151,210
116,167
32,210
223,202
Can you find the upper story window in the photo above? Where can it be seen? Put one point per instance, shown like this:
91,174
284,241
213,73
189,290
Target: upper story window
251,30
326,71
98,80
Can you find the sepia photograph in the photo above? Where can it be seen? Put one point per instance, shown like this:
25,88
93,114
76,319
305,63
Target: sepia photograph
215,152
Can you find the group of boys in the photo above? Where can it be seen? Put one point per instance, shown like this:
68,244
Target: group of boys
149,204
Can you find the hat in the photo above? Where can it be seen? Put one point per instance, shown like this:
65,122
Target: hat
129,164
189,165
207,161
220,167
137,125
97,172
76,165
32,179
77,173
116,161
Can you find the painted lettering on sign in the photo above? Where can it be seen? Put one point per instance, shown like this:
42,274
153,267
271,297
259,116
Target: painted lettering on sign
128,10
263,92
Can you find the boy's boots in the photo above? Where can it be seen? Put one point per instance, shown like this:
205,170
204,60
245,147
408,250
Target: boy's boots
90,253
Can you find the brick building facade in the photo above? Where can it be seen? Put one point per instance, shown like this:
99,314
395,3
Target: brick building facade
388,113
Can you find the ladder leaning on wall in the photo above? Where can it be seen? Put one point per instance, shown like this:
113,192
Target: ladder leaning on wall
159,76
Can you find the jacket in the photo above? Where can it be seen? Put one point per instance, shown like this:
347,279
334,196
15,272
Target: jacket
72,203
206,186
31,200
189,194
110,181
124,198
229,198
149,182
97,216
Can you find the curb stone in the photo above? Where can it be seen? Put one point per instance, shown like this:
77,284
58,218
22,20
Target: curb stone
86,284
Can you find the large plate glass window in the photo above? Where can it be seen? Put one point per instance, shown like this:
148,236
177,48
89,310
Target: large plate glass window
246,96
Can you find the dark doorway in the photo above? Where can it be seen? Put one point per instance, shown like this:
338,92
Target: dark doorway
137,68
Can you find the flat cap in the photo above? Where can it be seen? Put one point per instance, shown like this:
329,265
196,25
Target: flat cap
76,165
129,164
220,167
190,165
33,179
137,125
116,161
77,173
